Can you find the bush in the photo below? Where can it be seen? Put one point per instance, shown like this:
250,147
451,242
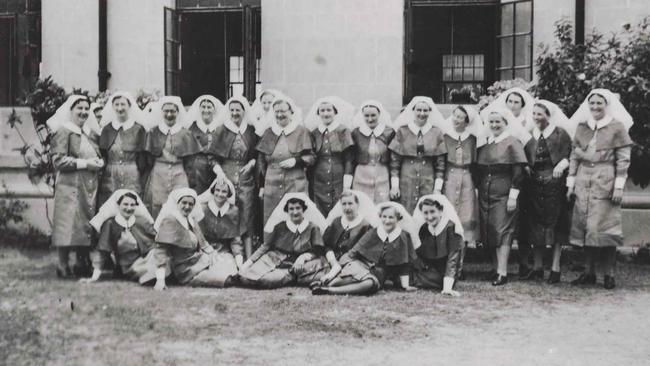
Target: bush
13,229
621,63
494,90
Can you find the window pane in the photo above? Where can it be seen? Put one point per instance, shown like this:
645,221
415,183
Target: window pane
507,19
478,74
523,73
523,17
468,61
478,60
468,74
505,75
446,74
458,60
236,89
505,59
446,60
522,50
458,74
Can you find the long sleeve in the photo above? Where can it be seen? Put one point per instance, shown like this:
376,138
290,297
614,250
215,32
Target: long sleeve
574,163
395,164
439,165
348,161
161,255
307,159
259,252
622,161
452,263
260,168
517,176
61,161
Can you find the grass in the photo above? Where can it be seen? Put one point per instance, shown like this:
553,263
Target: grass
49,321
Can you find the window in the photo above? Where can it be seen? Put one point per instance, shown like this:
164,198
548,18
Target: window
515,40
463,77
236,82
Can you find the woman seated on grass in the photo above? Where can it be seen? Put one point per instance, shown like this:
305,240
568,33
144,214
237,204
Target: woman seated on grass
441,234
386,252
126,230
295,238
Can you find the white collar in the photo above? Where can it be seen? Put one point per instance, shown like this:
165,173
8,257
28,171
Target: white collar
392,236
125,125
120,220
287,130
594,125
173,129
76,129
377,131
331,127
416,130
546,133
350,224
233,127
300,228
455,135
219,211
442,224
501,137
204,127
184,221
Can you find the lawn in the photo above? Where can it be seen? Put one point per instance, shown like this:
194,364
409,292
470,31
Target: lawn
44,320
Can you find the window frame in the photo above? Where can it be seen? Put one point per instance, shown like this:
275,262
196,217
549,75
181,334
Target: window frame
513,36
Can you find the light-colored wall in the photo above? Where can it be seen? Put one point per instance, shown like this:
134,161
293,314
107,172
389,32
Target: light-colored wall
349,48
609,16
70,42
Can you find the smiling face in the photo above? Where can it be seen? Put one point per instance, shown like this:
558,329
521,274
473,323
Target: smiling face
497,124
221,193
326,112
283,113
186,205
207,111
236,112
597,106
459,120
431,214
170,111
80,112
540,117
121,107
127,206
350,207
422,111
267,101
515,103
389,219
371,116
296,212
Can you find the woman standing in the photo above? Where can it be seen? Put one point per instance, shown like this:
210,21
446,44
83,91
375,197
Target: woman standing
233,146
464,133
500,171
285,153
77,161
441,234
121,144
385,252
332,172
371,137
202,121
418,153
294,238
262,113
168,145
597,173
548,159
125,230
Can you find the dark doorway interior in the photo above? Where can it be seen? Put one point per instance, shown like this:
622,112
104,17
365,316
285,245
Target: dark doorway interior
7,40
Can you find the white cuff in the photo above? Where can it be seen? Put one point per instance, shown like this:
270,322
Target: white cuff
437,185
570,182
619,183
82,163
514,193
562,165
347,181
394,182
447,284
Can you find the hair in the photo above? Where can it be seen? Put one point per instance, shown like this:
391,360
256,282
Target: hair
82,99
170,103
503,118
207,100
238,102
336,111
266,92
389,207
128,195
187,195
283,101
121,97
430,109
293,201
370,106
523,101
430,202
598,94
544,107
219,181
462,109
350,194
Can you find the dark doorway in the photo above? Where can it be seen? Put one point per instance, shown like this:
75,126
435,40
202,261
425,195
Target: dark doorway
7,63
450,54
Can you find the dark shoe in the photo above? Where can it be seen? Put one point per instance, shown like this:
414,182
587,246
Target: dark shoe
315,284
500,281
524,271
319,291
553,278
490,276
534,275
460,276
585,279
82,271
64,273
609,282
